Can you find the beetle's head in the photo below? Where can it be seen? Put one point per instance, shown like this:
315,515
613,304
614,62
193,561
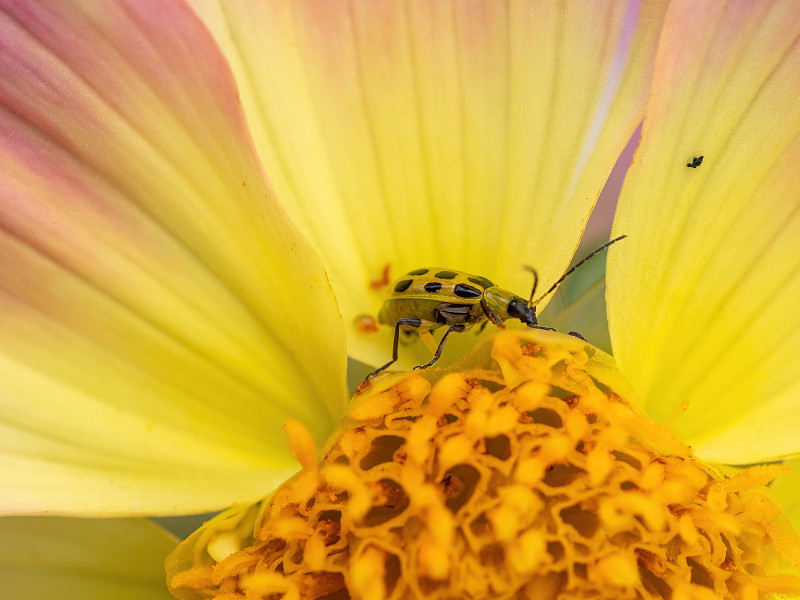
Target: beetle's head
510,306
506,305
518,308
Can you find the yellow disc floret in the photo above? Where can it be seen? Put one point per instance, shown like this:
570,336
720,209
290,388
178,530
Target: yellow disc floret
527,474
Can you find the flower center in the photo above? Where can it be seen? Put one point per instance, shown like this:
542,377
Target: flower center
528,478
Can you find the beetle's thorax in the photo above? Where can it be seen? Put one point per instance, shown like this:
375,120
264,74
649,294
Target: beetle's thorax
507,305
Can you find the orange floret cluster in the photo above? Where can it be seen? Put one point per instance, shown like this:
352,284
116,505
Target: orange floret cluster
528,477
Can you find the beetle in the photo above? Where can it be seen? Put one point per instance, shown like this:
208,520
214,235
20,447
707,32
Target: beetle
429,298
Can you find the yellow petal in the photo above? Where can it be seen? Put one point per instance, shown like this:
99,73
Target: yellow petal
83,559
475,136
703,294
190,564
161,318
787,491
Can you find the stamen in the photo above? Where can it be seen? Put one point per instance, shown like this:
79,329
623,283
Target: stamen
528,476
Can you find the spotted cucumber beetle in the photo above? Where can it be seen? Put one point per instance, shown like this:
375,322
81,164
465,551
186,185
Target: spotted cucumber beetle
429,298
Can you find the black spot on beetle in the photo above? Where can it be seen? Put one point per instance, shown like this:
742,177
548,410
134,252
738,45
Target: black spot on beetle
696,162
463,290
418,272
402,286
433,286
446,275
481,281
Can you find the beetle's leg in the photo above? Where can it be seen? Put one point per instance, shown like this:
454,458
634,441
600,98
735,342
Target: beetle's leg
482,327
491,315
577,335
400,323
457,329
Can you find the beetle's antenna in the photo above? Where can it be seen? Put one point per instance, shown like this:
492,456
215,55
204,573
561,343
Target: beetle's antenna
535,283
572,270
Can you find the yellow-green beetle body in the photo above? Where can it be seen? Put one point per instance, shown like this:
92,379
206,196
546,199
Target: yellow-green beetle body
429,298
439,297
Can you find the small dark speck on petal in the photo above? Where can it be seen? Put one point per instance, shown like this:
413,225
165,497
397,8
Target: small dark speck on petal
696,162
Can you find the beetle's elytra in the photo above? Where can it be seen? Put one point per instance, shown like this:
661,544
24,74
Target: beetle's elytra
426,299
429,298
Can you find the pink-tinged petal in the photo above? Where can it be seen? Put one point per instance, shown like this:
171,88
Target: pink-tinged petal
161,318
83,559
703,294
472,135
